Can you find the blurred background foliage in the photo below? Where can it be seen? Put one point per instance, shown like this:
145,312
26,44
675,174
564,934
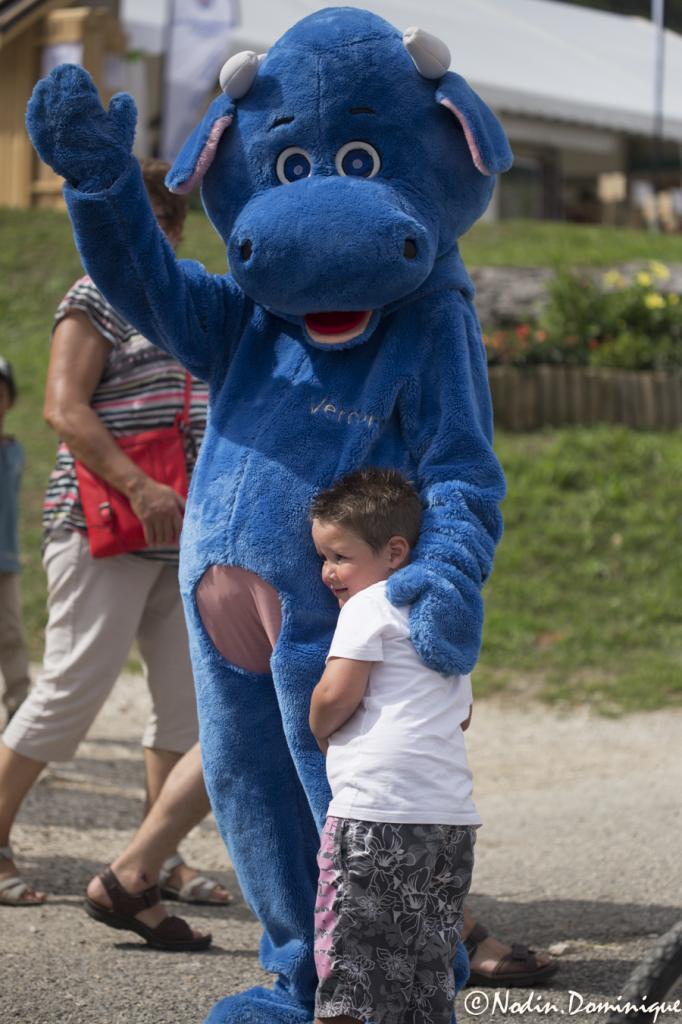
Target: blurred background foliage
606,321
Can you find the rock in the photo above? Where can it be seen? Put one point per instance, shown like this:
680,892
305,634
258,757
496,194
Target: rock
506,296
510,295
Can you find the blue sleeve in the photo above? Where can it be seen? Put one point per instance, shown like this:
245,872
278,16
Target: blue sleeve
21,462
195,316
447,422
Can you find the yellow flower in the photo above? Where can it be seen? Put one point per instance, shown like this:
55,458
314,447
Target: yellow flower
654,301
673,299
614,279
644,279
659,270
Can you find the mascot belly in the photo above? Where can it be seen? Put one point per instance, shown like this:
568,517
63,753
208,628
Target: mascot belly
340,170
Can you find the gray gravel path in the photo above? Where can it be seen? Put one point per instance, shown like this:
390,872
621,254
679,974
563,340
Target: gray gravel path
579,853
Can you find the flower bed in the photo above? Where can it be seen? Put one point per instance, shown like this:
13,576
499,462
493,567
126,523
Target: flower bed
601,352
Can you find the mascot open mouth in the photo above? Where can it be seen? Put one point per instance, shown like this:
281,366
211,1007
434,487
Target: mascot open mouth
332,328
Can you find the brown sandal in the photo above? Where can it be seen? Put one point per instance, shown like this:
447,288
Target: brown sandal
171,934
520,968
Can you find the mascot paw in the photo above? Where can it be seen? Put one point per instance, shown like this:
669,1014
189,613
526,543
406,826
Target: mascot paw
74,134
406,585
446,621
258,1006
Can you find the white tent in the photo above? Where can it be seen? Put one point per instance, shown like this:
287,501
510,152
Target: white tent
530,57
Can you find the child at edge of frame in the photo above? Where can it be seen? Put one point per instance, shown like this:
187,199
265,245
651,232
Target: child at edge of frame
13,653
396,853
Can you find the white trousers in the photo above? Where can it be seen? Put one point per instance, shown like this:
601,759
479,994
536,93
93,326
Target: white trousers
96,609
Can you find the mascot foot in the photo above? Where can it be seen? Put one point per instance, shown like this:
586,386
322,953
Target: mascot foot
271,1006
258,1006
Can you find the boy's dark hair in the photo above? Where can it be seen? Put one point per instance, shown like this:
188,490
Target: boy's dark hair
172,208
7,374
376,504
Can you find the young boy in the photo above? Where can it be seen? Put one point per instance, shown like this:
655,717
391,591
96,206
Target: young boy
396,853
13,654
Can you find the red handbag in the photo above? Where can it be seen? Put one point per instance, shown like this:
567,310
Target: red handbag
113,527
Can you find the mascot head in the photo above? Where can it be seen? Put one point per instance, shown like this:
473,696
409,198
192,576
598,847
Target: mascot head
338,167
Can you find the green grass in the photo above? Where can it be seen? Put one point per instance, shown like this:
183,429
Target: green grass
510,243
544,243
584,601
37,263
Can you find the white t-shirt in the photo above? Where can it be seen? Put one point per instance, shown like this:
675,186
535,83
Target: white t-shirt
401,757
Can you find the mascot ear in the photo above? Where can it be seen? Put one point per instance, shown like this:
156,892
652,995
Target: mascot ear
196,156
488,145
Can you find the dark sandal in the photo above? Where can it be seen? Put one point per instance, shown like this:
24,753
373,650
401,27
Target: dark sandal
517,969
171,934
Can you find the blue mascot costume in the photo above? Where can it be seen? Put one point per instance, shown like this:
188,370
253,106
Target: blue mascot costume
339,170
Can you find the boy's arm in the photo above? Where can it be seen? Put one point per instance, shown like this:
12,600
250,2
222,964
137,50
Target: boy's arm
337,696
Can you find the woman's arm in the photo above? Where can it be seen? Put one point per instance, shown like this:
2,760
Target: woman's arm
77,360
337,696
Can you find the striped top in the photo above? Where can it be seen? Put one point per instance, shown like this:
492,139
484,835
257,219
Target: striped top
142,388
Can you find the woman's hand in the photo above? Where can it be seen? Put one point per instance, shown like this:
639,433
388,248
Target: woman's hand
159,508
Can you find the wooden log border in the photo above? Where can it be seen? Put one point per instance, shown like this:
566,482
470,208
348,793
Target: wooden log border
526,398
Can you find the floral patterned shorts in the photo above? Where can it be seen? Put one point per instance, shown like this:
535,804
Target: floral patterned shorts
388,917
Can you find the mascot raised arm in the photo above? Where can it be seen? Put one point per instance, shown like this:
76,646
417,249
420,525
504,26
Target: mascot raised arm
339,169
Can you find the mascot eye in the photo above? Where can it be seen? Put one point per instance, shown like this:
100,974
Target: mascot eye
358,160
293,164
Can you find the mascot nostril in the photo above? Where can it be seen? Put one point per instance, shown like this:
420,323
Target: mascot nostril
353,159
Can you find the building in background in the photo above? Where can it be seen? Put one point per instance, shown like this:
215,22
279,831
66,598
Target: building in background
574,88
179,47
35,36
